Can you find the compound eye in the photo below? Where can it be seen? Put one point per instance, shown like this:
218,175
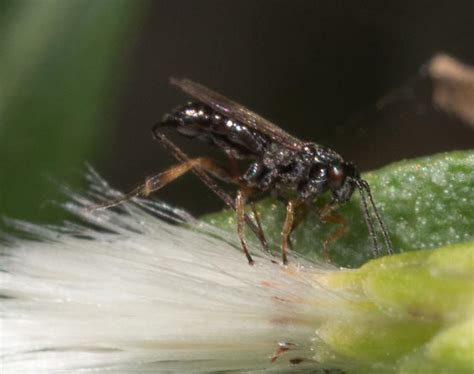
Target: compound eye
336,175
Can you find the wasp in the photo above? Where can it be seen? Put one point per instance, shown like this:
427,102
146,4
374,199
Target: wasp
293,170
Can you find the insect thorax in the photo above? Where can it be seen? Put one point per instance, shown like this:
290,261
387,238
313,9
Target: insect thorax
289,173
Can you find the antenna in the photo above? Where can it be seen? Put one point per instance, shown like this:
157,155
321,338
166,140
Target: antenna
386,237
368,219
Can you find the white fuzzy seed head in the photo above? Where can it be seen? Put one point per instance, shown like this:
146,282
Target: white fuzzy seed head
137,292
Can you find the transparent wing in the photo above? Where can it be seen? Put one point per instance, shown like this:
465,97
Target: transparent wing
238,112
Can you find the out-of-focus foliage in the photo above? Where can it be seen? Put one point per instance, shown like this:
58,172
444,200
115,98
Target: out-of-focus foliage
426,203
60,62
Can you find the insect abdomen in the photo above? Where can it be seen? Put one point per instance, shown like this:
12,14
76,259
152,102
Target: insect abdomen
198,121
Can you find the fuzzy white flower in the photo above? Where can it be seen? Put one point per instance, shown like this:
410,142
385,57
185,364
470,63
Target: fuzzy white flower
134,291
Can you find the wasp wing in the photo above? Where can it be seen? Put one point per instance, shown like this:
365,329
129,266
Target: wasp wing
238,112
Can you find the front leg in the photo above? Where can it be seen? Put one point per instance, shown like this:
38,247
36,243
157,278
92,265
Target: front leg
328,216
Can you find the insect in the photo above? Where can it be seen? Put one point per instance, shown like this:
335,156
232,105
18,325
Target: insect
293,170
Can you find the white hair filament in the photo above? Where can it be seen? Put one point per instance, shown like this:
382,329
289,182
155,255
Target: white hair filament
135,293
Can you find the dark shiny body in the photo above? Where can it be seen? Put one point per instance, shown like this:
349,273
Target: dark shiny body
302,172
295,171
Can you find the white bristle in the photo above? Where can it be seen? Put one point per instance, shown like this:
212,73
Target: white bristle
135,293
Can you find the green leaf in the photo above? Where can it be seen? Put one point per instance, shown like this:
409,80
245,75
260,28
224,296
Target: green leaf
426,203
59,67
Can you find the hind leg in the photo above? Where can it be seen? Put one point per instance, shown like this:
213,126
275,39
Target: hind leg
209,182
158,181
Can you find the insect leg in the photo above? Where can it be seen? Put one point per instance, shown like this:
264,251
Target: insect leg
158,181
260,234
327,215
234,168
301,212
206,179
287,227
240,209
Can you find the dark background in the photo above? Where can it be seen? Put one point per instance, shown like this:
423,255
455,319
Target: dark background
309,66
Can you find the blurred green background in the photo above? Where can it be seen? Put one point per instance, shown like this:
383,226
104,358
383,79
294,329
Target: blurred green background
83,81
61,72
